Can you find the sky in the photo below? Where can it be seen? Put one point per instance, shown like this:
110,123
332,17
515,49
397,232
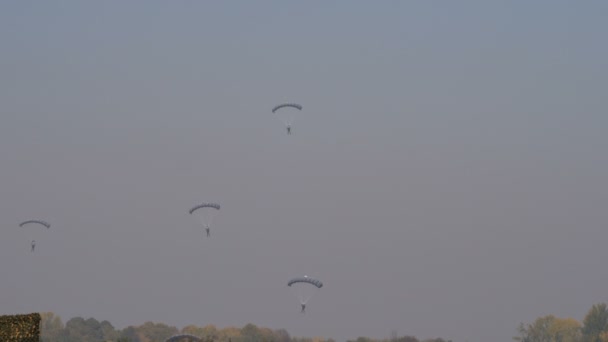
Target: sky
446,176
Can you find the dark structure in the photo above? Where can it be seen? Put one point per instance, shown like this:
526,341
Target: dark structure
20,328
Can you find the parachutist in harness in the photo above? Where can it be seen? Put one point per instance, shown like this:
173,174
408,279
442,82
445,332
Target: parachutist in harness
287,119
301,284
38,222
205,213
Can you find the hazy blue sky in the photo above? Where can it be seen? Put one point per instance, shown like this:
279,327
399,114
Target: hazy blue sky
446,177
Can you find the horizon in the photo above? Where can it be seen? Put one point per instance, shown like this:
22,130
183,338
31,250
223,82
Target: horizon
445,176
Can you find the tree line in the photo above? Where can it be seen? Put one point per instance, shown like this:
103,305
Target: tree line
593,328
549,328
78,329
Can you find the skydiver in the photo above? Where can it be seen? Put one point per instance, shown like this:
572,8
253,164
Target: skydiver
208,231
303,308
288,129
33,245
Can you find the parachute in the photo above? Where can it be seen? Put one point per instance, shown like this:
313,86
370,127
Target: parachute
287,115
46,224
34,232
205,205
184,338
205,213
294,105
305,287
306,279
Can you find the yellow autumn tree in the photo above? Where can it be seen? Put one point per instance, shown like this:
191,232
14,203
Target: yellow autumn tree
565,330
550,329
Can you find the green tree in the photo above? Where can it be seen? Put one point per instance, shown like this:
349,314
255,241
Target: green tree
362,339
281,335
537,331
595,323
51,327
406,339
130,334
77,329
108,331
251,333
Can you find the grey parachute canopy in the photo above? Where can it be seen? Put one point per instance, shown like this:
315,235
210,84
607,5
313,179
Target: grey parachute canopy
305,288
287,116
205,205
205,214
184,337
46,224
305,279
293,105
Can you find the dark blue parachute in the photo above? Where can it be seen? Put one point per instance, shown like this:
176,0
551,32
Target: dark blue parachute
306,279
293,105
205,205
46,224
184,338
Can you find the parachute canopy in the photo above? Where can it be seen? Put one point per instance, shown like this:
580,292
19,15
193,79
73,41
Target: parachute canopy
287,115
205,205
305,288
183,338
46,224
293,105
306,279
205,213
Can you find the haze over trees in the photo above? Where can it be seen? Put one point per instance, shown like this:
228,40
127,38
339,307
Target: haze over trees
78,329
549,328
593,328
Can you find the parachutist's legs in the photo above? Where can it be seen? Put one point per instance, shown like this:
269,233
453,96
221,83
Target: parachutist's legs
33,245
288,129
303,308
208,231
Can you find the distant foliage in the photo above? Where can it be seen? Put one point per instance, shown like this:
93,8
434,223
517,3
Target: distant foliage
78,329
550,328
553,329
396,338
595,324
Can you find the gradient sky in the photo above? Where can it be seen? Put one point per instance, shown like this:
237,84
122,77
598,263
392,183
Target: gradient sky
446,177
